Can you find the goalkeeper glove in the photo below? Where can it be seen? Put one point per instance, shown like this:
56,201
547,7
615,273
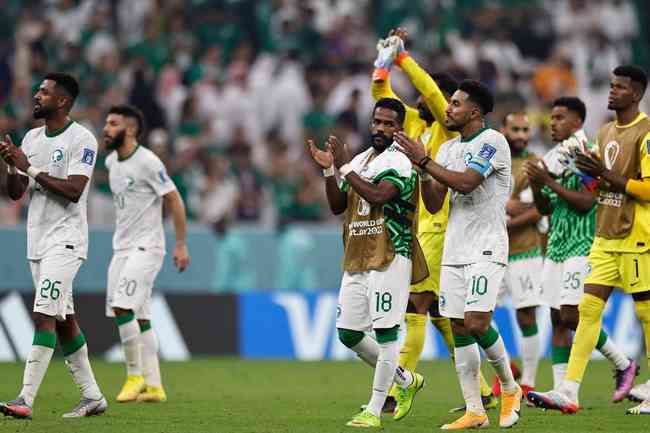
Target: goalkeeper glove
386,53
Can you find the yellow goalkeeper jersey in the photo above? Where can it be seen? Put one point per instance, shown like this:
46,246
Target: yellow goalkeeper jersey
432,136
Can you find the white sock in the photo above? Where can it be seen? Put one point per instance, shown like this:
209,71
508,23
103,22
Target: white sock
559,371
384,375
468,363
35,368
529,359
614,354
129,336
150,363
571,389
403,378
498,357
82,373
367,350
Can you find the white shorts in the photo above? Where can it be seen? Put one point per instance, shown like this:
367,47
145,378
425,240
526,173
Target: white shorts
472,287
131,275
523,282
374,299
53,276
563,283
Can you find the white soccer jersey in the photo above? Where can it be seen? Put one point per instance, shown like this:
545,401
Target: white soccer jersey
390,159
138,184
53,222
476,231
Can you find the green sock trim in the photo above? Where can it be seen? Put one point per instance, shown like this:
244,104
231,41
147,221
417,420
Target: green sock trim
462,341
124,318
45,339
71,346
560,355
350,338
488,339
144,326
602,339
386,335
529,331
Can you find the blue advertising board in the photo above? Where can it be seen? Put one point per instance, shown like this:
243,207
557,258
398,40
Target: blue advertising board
300,325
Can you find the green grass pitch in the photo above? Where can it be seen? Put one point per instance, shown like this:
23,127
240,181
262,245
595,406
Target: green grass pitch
233,396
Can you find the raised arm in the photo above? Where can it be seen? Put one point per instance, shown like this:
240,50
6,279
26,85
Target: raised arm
425,85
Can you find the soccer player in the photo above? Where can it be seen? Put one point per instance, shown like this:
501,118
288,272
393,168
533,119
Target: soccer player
55,163
474,169
620,254
425,121
140,187
523,275
381,255
558,192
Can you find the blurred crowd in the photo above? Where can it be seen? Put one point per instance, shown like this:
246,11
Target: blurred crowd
232,88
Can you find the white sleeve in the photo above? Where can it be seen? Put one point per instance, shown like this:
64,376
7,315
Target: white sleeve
157,178
441,155
83,156
490,155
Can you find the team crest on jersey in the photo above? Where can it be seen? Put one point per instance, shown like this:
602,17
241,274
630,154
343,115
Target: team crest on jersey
612,149
468,158
129,182
88,156
57,156
487,151
364,208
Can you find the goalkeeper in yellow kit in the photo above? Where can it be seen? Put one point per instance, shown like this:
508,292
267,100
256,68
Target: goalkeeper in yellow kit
426,123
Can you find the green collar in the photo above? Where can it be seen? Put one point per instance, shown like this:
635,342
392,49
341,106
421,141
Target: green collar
58,131
137,146
473,136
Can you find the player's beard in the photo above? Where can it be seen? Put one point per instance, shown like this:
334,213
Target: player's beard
42,111
385,142
114,143
517,146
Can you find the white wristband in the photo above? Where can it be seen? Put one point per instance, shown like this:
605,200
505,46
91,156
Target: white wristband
329,171
33,171
345,170
426,177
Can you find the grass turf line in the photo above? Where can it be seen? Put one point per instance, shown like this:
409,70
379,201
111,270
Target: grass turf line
234,396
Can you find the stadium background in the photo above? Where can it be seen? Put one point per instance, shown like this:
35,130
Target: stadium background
230,90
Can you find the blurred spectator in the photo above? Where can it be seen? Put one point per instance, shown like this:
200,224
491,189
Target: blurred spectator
250,182
240,84
219,194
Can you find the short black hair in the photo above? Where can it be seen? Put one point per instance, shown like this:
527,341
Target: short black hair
634,73
479,94
572,103
131,112
446,82
67,82
512,113
392,104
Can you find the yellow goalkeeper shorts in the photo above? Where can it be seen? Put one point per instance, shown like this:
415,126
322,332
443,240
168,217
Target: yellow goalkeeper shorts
629,271
432,245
